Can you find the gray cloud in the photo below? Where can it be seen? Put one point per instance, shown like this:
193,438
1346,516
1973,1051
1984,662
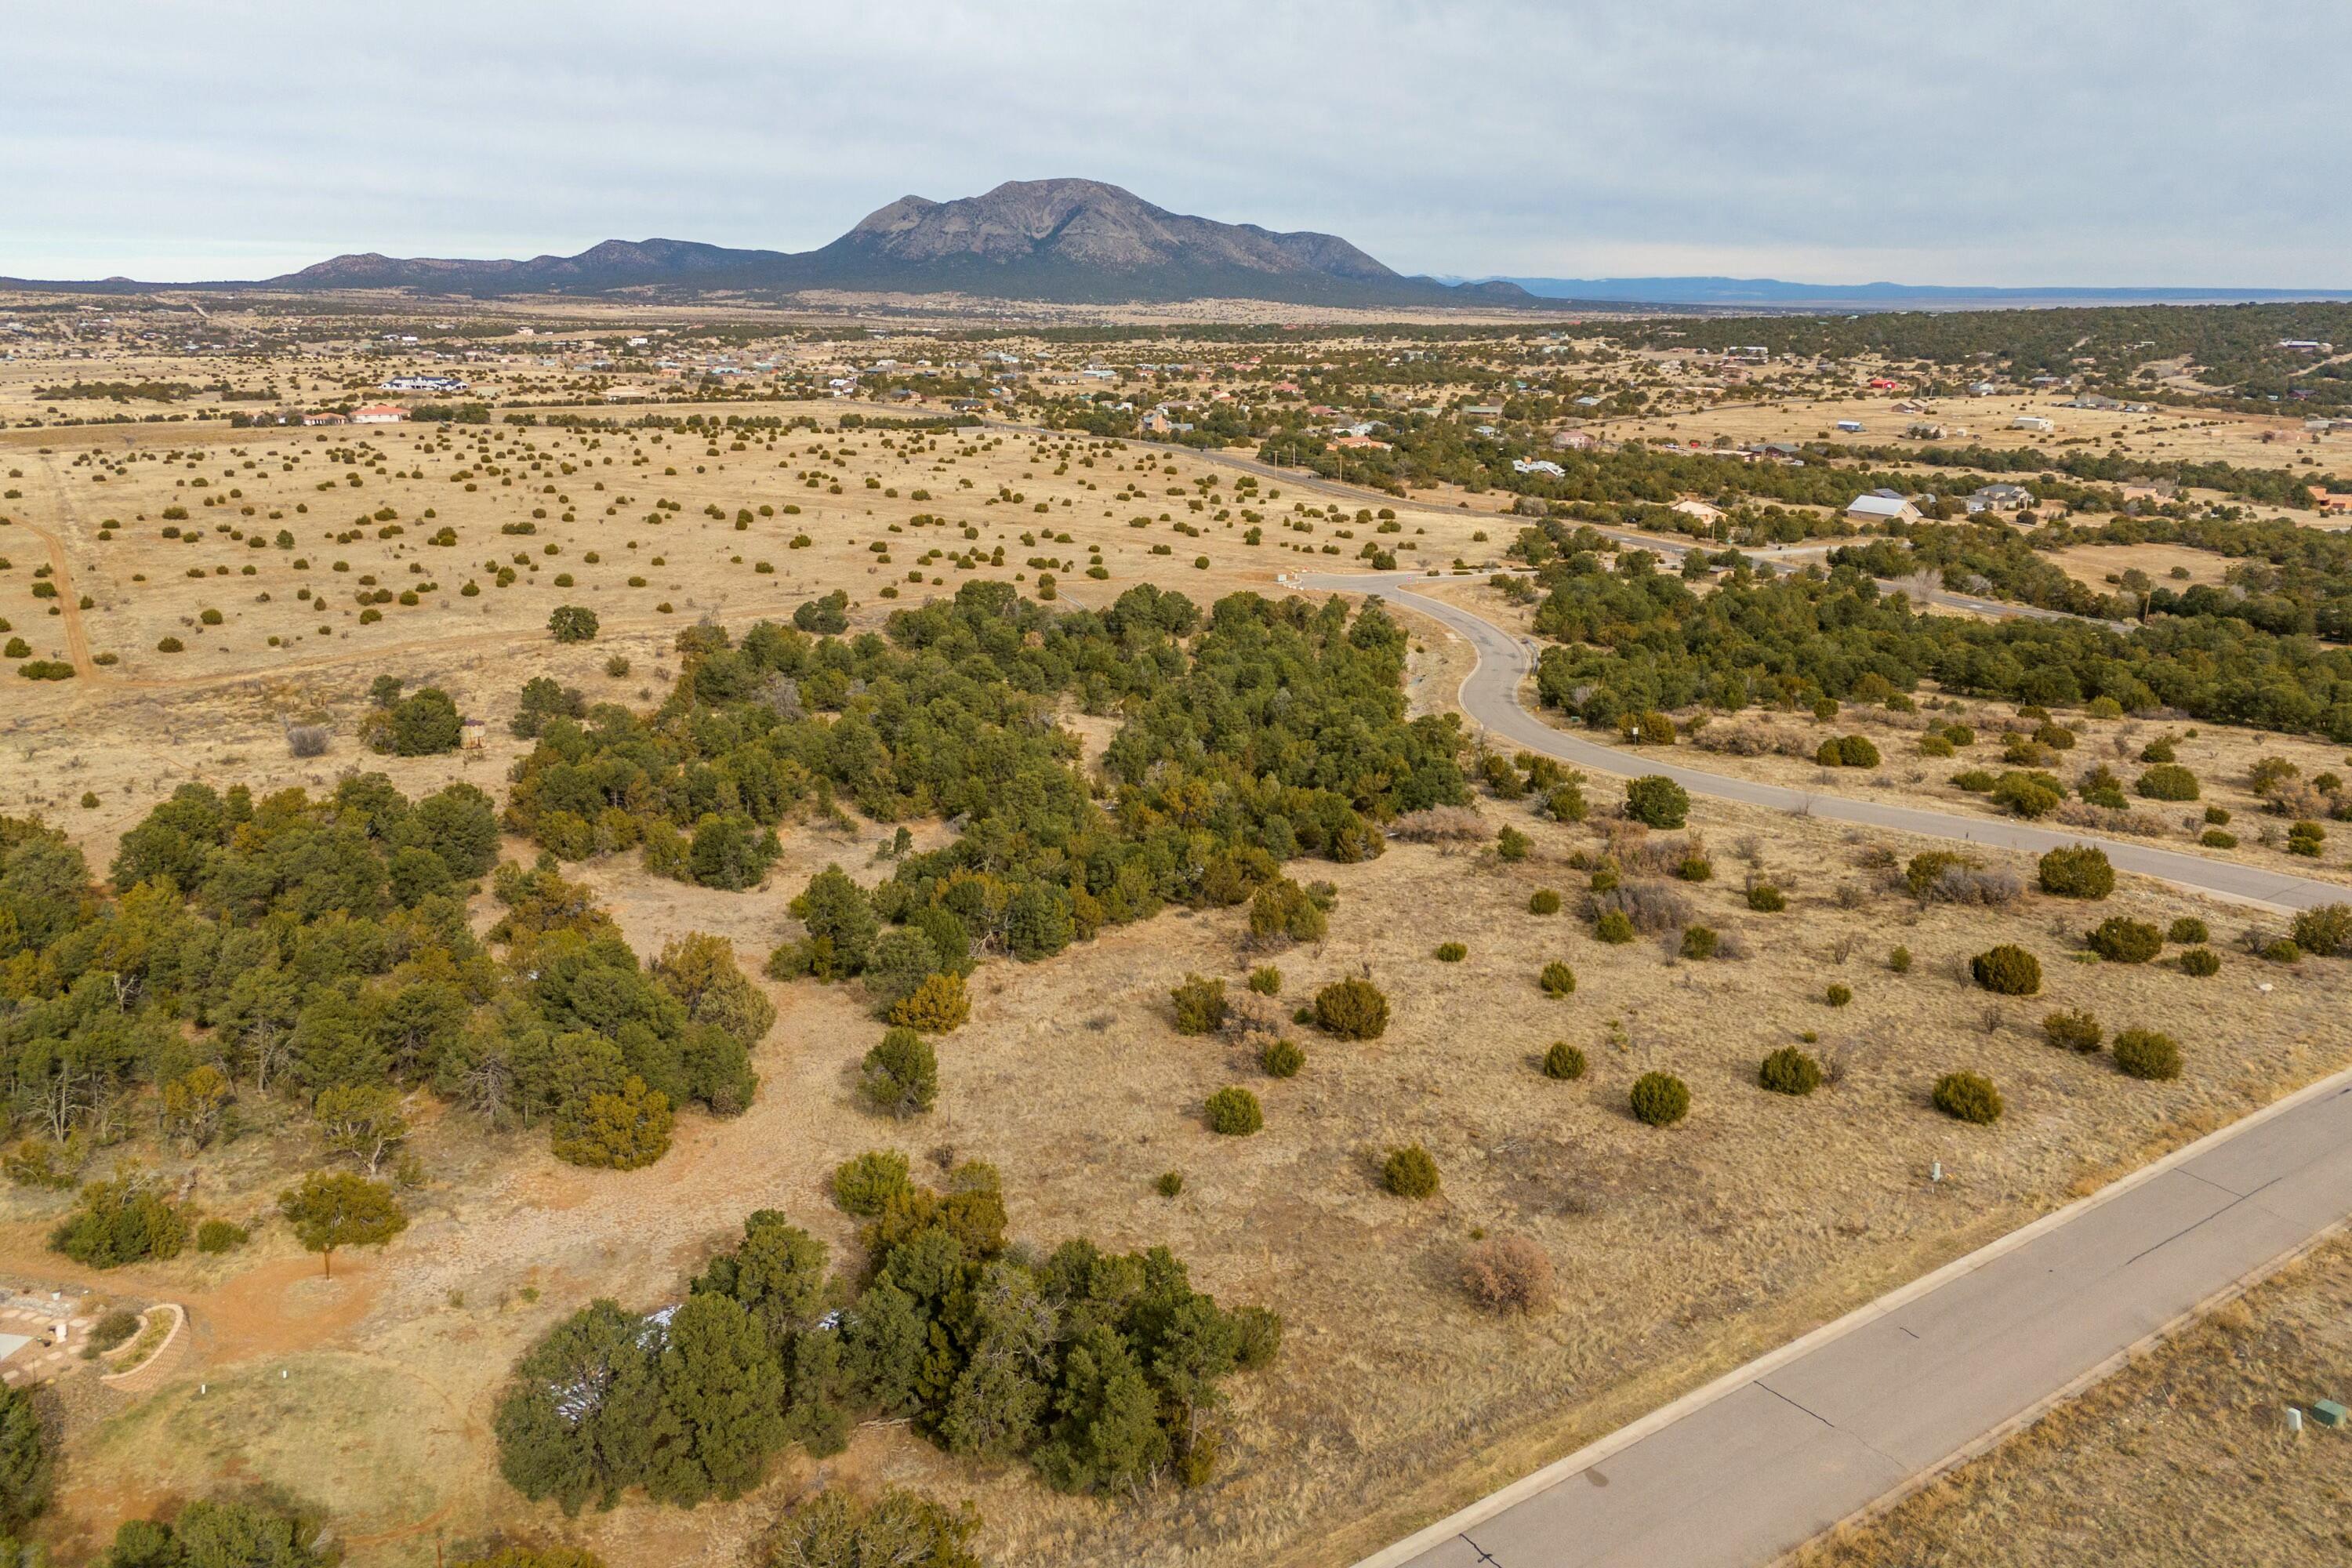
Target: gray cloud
2099,141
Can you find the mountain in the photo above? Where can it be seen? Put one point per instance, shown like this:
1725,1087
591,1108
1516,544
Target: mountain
615,264
1082,241
1772,293
1070,241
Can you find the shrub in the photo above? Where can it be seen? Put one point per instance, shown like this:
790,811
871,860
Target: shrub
1645,727
2200,962
111,1331
1847,752
1695,868
2325,930
122,1221
1838,995
623,1130
1283,910
1410,1172
1352,1009
1266,979
1899,961
1659,1098
1656,801
1281,1059
2282,951
1766,897
1967,1097
2167,782
1511,844
1614,926
1234,1112
901,1074
1557,979
2145,1054
1543,901
870,1183
2218,839
2077,871
1452,952
307,740
1563,1061
1566,803
2188,929
1508,1273
1699,942
936,1007
1201,1008
2027,795
2072,1031
572,623
1790,1071
2007,971
1170,1183
217,1236
2121,940
2304,839
1934,745
1973,781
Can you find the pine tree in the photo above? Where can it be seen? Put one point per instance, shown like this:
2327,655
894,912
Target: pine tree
723,1391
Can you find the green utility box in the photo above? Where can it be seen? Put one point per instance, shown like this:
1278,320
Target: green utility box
2327,1413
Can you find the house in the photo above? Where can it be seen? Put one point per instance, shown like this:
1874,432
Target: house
324,417
1573,440
1537,465
423,383
1999,498
1483,411
2331,501
1690,505
1354,443
1925,432
1982,388
2032,422
1588,401
1881,383
1880,508
1851,426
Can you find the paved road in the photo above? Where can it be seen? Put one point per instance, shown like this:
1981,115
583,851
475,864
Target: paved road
1491,697
1782,1450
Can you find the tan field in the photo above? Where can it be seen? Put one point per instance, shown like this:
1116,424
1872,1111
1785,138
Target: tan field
2183,1457
2163,434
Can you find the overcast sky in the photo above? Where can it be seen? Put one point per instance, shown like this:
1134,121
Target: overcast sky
2081,143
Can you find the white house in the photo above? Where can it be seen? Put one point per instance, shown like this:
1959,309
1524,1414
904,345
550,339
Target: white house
378,414
2032,422
1881,509
1851,426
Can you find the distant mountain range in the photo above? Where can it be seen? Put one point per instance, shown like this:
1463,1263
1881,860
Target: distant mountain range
1068,241
1772,293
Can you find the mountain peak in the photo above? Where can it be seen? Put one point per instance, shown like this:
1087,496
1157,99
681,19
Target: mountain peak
1065,239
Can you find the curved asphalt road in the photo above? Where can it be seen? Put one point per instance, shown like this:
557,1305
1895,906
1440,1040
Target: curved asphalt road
1491,697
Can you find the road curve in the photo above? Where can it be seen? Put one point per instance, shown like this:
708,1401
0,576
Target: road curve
1490,696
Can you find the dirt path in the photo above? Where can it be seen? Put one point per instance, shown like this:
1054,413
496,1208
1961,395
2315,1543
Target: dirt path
61,573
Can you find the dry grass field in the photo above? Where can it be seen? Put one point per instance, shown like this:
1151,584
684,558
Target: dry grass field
2174,435
2183,1457
1680,1252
